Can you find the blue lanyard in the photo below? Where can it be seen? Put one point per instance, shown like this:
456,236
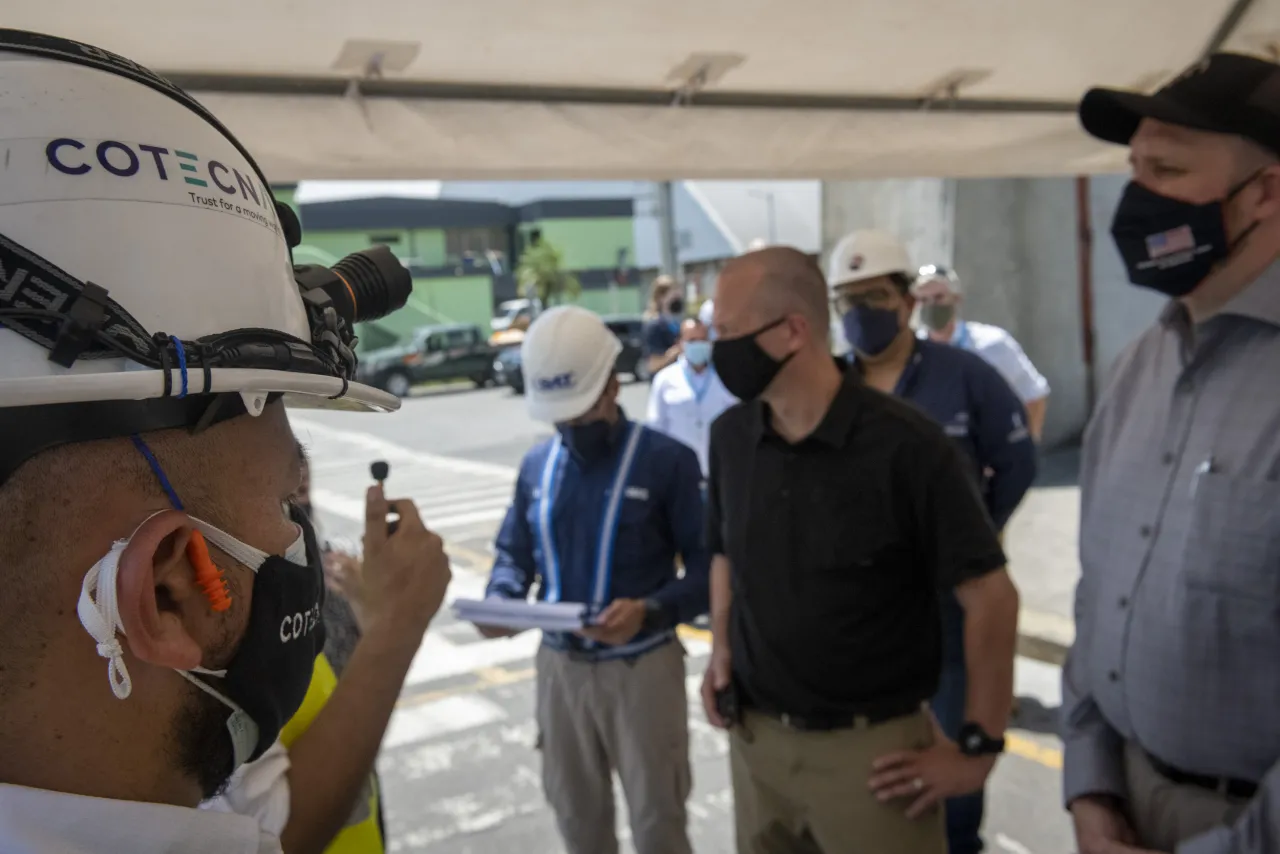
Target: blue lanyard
608,522
698,383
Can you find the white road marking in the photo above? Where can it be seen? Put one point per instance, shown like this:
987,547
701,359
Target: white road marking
374,448
1039,680
1013,846
449,492
440,717
438,659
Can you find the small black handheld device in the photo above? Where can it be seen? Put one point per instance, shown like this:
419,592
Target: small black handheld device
727,705
380,470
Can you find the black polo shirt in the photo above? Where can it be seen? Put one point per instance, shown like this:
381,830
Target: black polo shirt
838,546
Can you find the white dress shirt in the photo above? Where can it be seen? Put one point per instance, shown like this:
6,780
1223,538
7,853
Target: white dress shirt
1002,351
683,403
36,821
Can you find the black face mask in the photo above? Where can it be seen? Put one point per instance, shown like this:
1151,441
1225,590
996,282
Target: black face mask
268,678
742,364
675,307
1170,245
589,442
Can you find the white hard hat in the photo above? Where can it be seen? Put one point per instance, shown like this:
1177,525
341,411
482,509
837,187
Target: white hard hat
865,255
568,355
938,273
706,311
145,267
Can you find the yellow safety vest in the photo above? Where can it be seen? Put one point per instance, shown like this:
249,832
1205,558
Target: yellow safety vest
361,834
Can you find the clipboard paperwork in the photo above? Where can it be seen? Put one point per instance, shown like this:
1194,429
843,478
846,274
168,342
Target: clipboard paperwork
521,615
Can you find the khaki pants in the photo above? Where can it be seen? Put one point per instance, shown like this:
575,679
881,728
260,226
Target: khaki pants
799,792
626,716
1164,813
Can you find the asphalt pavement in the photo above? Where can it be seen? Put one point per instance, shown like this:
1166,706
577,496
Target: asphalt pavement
459,770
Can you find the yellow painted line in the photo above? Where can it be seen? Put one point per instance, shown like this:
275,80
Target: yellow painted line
489,677
1025,748
485,678
475,559
502,676
690,633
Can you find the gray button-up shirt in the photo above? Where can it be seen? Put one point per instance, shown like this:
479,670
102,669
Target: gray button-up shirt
1178,607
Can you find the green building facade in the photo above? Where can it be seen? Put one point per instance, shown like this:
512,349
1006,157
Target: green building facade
462,254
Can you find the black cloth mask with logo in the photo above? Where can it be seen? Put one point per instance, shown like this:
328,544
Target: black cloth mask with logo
269,676
1169,245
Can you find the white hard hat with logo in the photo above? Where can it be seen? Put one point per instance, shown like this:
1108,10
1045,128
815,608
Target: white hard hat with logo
865,255
146,278
568,356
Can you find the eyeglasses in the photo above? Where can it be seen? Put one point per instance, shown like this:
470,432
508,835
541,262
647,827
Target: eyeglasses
877,297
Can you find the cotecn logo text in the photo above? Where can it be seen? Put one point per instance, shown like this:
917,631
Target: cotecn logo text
123,160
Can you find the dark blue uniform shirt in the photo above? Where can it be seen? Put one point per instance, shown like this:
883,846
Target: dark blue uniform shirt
658,516
659,335
981,413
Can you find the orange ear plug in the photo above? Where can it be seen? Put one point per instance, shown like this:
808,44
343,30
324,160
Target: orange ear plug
208,576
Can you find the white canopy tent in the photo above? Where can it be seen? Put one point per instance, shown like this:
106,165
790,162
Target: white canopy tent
655,89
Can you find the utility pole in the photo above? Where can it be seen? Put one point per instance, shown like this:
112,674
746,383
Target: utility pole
667,229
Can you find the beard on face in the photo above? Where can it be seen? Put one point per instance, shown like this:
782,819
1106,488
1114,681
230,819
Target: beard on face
199,739
202,743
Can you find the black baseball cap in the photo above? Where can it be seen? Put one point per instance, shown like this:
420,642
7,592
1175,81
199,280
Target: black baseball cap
1226,93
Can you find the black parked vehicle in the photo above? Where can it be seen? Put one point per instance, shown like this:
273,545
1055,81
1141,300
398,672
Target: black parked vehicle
435,353
507,369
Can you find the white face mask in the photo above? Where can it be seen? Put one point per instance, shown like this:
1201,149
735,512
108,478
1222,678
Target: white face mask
99,609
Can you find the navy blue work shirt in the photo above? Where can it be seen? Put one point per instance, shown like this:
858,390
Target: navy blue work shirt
658,516
981,413
659,335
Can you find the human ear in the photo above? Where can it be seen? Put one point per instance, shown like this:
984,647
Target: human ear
1268,183
158,598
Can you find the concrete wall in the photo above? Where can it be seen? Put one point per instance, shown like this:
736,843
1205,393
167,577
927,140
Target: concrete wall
1016,255
1014,244
1121,311
917,210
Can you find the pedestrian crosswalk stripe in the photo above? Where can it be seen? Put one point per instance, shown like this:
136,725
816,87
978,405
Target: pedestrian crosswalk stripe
450,493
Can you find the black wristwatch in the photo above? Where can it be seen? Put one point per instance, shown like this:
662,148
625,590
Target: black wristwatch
974,741
655,617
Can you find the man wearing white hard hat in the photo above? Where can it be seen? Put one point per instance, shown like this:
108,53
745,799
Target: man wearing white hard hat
160,615
937,291
870,276
601,513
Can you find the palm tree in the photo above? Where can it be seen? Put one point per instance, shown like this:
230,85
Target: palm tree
541,275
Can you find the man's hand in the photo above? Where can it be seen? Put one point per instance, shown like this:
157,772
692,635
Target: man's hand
618,623
343,572
719,674
405,573
1101,826
929,776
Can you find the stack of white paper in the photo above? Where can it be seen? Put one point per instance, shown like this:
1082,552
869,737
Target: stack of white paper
521,615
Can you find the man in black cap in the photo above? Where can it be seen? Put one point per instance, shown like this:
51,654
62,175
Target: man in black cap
1170,693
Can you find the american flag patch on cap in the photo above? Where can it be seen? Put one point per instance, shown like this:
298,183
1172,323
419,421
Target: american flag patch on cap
1179,239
